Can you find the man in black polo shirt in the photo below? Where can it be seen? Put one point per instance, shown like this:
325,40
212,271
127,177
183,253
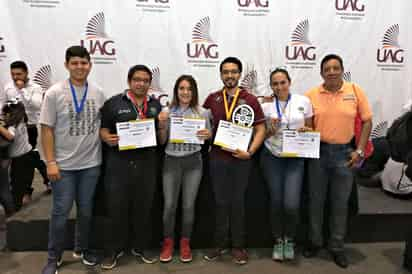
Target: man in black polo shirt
130,175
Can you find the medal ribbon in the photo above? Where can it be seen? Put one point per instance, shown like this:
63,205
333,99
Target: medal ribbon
232,105
141,113
280,113
79,107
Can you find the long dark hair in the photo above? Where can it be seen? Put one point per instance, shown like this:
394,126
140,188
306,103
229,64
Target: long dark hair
193,87
14,113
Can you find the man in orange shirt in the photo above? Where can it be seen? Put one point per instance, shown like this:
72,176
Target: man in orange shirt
335,105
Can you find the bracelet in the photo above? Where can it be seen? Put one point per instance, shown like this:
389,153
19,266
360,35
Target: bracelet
52,162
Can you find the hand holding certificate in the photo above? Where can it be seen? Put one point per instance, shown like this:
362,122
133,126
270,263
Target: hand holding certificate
231,137
136,134
300,144
186,130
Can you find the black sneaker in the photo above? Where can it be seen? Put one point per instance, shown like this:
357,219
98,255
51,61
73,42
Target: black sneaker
311,251
111,262
407,264
50,267
146,256
89,259
340,259
59,262
214,254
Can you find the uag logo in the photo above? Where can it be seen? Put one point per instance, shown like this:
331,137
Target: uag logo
350,9
2,49
155,89
300,53
390,55
43,77
253,7
97,42
156,6
347,76
202,51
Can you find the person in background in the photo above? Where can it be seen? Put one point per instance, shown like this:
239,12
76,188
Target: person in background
20,150
31,95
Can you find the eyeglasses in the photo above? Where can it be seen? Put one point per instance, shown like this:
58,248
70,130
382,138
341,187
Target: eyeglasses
226,72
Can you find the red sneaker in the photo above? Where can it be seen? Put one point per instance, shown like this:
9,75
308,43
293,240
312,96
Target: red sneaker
185,251
240,256
166,255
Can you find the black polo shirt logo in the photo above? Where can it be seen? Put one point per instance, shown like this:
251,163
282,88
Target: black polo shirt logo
121,111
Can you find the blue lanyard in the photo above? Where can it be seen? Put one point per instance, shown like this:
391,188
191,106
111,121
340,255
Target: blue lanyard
280,114
78,107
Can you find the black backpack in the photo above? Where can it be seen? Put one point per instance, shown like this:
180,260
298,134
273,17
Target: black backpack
399,137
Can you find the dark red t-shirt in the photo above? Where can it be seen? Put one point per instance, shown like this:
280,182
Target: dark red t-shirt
214,102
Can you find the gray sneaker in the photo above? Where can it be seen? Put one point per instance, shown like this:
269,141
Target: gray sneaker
277,253
288,249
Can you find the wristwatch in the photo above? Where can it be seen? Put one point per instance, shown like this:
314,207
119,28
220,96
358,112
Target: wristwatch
360,152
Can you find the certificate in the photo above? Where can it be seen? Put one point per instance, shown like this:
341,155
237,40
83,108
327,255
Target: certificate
300,144
231,136
136,134
184,130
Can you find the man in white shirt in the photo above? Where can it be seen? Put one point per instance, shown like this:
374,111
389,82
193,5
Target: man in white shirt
31,95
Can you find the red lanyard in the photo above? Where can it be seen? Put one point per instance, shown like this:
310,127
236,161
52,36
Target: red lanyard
142,113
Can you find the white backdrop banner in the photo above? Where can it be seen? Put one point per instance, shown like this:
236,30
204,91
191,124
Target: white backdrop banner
175,37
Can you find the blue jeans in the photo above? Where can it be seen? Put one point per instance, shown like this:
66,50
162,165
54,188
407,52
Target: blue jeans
284,177
180,174
330,180
78,186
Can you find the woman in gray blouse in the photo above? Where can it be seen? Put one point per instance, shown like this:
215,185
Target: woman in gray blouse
182,169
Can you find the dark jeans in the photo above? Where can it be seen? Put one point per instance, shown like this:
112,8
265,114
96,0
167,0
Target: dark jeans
130,184
330,178
229,182
6,198
3,228
180,174
37,162
21,175
78,186
284,177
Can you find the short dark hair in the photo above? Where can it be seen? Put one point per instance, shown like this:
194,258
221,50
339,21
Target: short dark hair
77,51
280,70
232,60
16,113
330,57
193,87
135,68
19,65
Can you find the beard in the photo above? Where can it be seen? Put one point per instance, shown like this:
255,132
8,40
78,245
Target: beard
231,83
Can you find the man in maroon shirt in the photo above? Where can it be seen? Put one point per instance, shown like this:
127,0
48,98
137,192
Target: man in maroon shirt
230,170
